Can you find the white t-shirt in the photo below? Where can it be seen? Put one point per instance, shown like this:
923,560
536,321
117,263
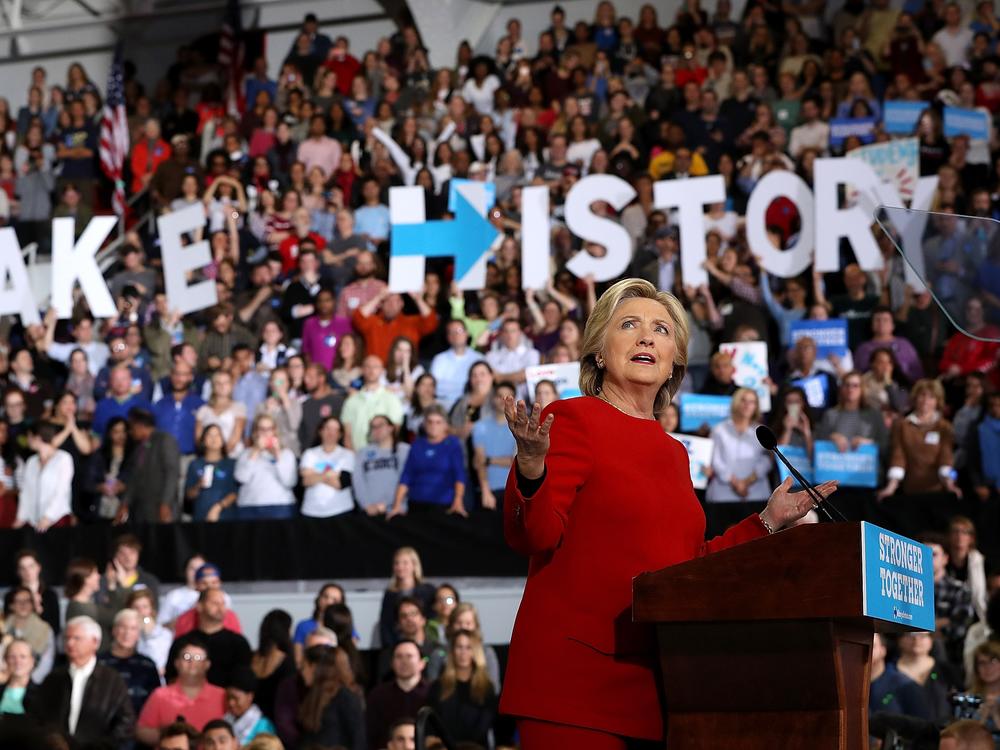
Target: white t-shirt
321,500
481,97
954,45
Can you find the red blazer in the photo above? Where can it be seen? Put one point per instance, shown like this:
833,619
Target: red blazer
616,501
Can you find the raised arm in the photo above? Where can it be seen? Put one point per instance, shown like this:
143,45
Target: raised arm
543,482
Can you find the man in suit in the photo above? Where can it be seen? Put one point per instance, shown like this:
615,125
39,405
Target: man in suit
154,470
661,270
86,702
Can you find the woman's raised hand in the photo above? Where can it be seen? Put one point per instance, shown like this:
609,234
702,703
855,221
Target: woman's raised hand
532,437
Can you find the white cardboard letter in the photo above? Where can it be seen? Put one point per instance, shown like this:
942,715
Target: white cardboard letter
18,299
179,259
406,272
689,196
586,225
535,237
791,262
834,223
75,262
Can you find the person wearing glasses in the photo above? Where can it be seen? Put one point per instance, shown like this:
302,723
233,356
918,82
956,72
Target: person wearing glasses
267,474
852,423
378,466
189,695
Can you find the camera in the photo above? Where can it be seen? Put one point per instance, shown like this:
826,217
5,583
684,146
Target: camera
965,705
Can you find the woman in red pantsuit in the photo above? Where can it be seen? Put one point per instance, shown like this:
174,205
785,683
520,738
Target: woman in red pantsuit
598,494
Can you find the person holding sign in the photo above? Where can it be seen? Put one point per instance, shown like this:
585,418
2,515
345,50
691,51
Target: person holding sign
739,464
598,493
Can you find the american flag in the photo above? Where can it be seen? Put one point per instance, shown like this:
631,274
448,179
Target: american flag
231,57
114,132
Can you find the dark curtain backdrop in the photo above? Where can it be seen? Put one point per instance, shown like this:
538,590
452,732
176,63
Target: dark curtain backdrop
356,546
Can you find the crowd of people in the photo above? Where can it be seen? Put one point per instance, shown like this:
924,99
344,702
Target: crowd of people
141,666
312,389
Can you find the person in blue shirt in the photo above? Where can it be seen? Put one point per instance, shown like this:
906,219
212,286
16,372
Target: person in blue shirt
119,401
891,690
371,220
329,594
210,485
434,474
141,382
494,448
175,412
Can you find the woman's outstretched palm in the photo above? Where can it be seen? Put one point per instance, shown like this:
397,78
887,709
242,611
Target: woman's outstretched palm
532,437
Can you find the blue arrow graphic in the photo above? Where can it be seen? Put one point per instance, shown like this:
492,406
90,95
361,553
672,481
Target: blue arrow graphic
466,237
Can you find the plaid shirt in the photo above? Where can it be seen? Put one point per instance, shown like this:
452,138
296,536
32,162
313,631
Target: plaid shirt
953,599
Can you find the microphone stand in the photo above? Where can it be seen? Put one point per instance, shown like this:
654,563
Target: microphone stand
818,500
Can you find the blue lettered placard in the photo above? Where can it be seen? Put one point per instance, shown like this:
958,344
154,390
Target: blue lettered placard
830,335
898,578
857,468
900,117
842,128
799,458
698,410
970,122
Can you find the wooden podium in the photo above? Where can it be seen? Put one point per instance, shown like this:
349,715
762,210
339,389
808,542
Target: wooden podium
766,644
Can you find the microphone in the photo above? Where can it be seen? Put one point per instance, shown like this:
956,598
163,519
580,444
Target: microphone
769,442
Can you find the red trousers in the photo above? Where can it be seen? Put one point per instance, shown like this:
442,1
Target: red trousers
544,735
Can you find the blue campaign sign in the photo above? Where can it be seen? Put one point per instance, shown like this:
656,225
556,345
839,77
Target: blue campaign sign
900,117
816,389
898,578
857,468
842,128
799,458
970,122
830,336
466,237
698,410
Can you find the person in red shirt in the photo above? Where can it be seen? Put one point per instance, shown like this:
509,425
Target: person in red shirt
963,354
380,321
343,63
190,695
147,155
598,494
301,231
207,577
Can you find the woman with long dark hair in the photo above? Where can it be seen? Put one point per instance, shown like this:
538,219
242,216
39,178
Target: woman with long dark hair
325,470
330,714
210,484
74,437
107,473
273,661
328,595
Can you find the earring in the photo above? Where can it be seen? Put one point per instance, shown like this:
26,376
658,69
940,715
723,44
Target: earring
600,364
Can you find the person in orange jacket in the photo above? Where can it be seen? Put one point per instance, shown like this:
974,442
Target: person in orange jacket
381,320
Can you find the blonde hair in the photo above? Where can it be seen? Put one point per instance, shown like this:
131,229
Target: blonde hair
479,684
594,335
927,385
265,741
734,403
460,609
418,569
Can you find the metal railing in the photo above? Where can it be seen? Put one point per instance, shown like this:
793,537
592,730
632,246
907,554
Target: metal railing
108,254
